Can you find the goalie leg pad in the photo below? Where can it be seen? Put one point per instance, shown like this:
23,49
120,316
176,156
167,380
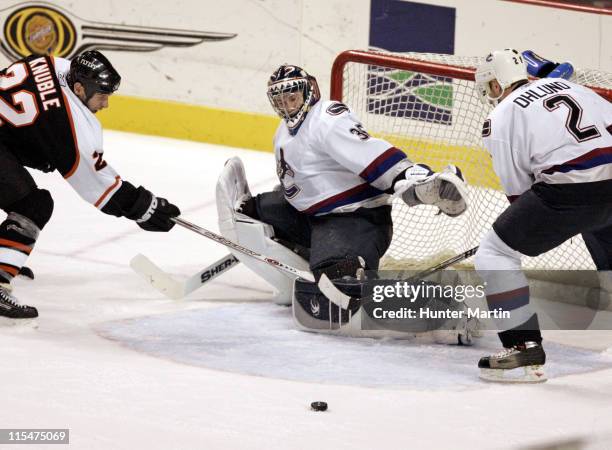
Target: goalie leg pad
312,311
258,236
232,191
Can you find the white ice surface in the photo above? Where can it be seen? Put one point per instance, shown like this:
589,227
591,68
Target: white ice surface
265,333
117,392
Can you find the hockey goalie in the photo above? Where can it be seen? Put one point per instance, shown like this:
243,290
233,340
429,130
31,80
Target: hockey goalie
331,213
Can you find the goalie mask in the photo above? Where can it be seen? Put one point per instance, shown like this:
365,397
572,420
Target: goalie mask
292,92
505,66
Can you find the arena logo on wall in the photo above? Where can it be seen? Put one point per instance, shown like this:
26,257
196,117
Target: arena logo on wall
44,29
401,26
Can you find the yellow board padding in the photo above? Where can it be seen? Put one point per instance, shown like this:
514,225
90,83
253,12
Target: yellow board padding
474,162
255,131
190,122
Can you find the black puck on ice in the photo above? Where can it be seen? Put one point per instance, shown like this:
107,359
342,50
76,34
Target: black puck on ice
318,406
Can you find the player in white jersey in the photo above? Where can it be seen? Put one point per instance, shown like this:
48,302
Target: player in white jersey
551,144
47,108
333,203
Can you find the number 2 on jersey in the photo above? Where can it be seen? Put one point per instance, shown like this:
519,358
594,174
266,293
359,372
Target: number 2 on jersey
100,163
572,123
24,100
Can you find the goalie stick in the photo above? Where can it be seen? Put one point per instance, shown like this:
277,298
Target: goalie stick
345,299
167,285
447,263
325,285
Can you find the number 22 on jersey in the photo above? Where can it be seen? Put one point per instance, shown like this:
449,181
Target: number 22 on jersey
23,110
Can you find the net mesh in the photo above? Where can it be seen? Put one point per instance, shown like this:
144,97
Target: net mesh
436,117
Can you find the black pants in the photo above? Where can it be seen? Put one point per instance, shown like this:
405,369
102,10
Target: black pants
331,238
549,214
15,181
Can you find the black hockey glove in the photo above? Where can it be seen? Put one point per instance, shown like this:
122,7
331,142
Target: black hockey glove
152,213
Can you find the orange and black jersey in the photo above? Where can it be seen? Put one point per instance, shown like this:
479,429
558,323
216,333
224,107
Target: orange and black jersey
47,127
35,123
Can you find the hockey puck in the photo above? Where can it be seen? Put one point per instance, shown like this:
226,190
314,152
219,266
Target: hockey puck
318,406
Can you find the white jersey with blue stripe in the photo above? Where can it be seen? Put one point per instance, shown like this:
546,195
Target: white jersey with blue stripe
550,131
331,164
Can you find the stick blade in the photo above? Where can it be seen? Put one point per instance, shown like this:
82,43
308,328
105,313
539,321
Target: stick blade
156,277
332,293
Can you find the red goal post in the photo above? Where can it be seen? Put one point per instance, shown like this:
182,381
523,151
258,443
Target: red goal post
426,104
409,62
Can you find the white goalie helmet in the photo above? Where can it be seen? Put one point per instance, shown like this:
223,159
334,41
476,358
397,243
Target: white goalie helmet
292,92
506,66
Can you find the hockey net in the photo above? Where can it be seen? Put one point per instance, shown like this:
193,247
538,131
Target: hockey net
427,105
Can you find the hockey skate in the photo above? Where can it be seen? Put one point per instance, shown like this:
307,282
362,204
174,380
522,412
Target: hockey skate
519,364
12,312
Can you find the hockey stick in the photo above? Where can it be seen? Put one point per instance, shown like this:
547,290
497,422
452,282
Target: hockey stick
325,284
430,271
164,283
444,264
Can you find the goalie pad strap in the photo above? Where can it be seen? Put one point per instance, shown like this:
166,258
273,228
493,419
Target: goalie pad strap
335,269
249,208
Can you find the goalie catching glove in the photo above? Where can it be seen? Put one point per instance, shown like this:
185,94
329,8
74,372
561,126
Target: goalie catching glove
422,186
